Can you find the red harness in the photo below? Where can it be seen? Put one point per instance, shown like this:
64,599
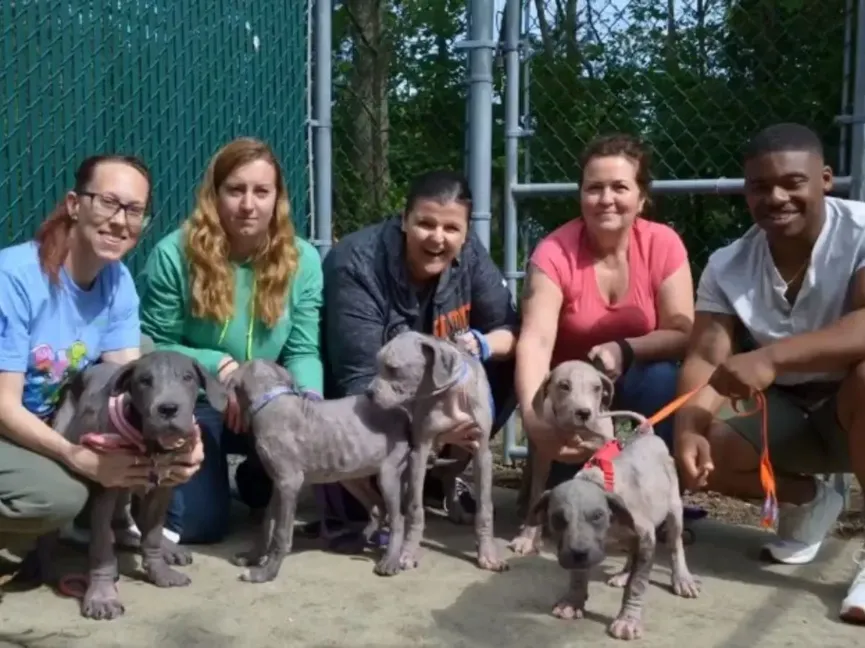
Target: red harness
603,459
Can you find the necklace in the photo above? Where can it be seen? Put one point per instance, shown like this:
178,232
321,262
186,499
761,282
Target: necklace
791,280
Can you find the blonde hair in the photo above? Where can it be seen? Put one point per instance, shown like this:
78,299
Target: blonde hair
207,248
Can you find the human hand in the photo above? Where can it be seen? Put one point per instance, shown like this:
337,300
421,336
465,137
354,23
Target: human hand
744,374
225,371
609,356
550,444
180,468
694,456
474,343
464,435
112,470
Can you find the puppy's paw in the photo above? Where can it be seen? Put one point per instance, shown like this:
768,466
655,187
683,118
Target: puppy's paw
101,602
162,575
388,566
409,560
685,585
489,559
527,542
569,609
248,559
626,627
174,554
619,579
263,574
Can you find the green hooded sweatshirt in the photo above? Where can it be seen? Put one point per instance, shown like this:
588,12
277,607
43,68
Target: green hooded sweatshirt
166,315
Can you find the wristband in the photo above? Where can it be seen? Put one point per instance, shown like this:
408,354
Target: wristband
627,352
483,345
310,394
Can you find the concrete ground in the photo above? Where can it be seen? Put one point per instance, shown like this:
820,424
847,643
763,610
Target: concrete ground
323,600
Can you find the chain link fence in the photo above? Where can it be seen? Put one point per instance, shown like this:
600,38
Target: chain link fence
399,101
695,78
167,81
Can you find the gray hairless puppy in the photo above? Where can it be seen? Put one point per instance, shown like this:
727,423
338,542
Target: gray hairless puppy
440,387
620,501
304,441
574,399
148,403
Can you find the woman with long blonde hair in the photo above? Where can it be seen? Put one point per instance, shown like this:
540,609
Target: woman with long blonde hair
233,283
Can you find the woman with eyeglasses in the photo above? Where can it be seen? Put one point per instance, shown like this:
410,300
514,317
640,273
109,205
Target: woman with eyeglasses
66,302
233,283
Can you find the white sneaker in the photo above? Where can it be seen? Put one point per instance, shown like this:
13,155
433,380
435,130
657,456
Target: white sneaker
853,605
802,529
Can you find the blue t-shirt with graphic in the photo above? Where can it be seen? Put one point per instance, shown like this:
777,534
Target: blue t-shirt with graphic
51,332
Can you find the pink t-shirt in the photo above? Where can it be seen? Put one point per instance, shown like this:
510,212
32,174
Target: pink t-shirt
655,251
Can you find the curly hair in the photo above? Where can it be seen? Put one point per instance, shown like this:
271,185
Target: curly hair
207,247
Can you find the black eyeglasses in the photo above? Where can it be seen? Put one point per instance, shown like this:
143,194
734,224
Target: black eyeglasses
106,207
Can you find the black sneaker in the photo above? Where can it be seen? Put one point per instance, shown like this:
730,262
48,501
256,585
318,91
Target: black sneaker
465,495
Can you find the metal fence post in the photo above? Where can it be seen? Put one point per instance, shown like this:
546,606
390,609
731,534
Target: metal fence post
323,128
857,119
481,45
513,132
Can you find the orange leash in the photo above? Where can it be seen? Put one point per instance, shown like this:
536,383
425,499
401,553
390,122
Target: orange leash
769,514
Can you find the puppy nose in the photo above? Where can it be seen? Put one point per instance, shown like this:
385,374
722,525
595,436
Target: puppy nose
583,413
579,557
167,410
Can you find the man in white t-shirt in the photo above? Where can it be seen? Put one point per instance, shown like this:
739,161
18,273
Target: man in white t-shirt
782,310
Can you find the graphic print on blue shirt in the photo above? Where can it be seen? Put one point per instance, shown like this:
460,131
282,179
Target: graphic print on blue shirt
50,333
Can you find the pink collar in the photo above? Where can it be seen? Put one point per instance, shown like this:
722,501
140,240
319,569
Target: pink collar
123,435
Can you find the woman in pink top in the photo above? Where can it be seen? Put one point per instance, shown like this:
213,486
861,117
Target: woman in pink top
609,286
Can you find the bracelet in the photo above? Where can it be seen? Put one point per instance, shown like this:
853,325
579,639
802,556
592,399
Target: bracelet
627,352
483,345
311,394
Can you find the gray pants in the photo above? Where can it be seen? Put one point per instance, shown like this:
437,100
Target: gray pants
37,495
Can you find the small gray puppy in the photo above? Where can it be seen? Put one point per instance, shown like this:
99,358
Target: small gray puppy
574,399
155,396
619,503
300,440
439,387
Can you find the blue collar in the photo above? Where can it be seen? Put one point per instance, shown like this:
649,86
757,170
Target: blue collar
269,395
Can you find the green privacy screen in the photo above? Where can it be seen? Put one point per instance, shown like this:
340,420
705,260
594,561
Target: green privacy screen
167,80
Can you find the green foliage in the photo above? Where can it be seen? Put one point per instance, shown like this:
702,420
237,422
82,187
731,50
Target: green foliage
695,87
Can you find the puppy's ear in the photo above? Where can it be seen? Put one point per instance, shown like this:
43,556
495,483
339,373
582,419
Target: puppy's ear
442,364
540,397
213,389
538,513
608,391
121,381
619,513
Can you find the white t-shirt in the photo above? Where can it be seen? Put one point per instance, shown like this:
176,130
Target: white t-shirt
741,279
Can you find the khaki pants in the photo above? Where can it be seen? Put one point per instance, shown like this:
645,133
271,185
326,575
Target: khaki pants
37,495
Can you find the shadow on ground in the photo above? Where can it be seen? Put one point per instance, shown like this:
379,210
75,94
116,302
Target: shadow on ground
322,600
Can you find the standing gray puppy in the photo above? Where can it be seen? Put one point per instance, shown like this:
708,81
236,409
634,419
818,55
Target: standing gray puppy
152,399
620,502
300,440
440,387
574,399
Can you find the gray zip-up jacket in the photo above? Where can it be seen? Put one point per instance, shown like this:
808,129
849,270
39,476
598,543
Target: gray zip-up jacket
368,299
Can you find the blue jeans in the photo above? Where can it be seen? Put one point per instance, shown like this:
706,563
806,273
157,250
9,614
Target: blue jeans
200,508
644,388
